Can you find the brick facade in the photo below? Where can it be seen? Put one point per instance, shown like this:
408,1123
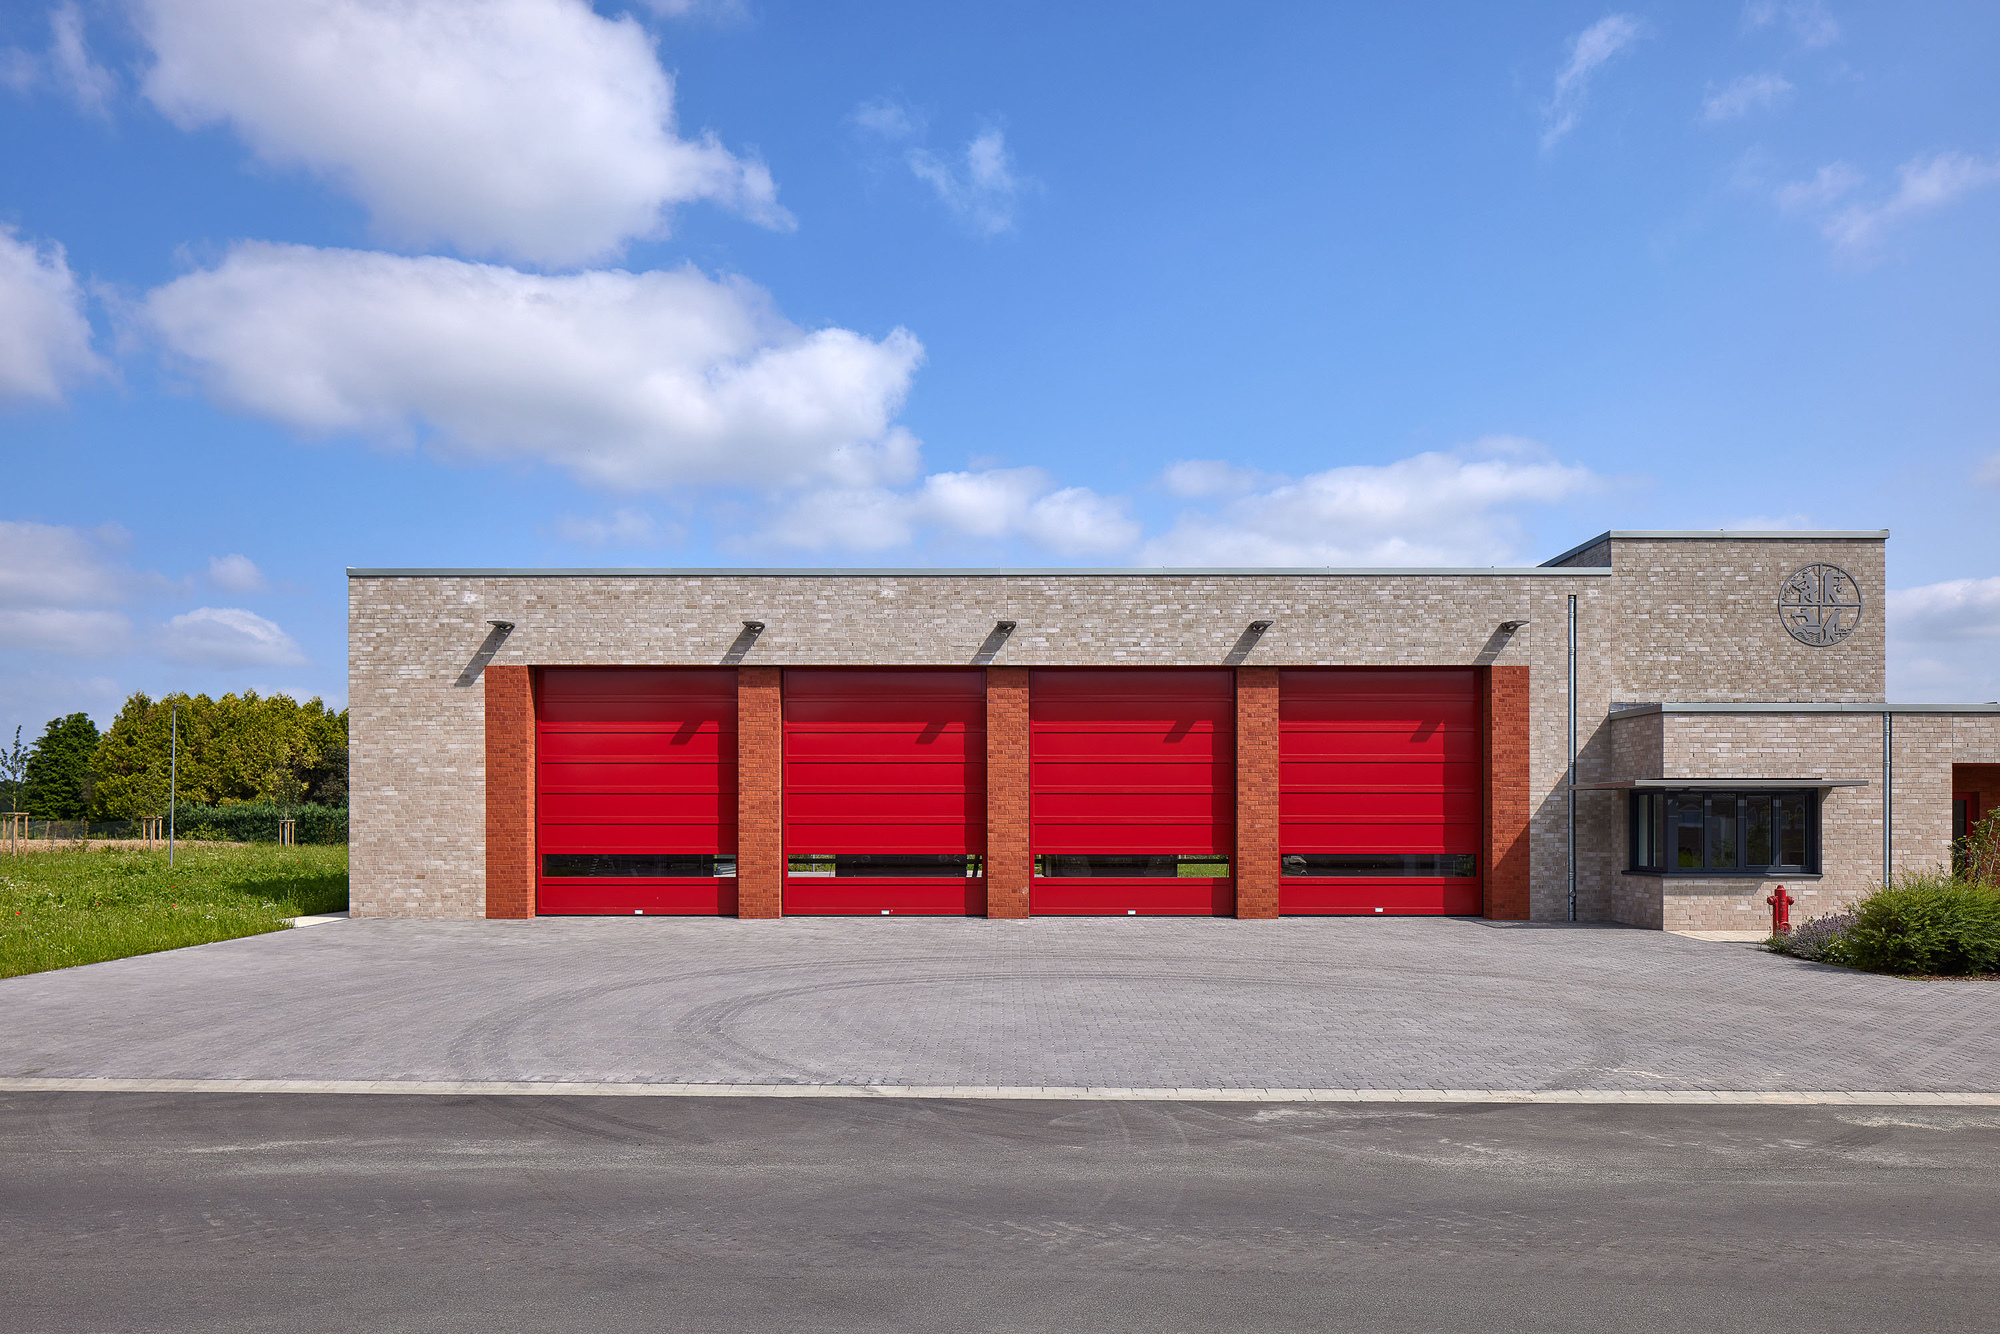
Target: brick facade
1008,865
760,792
510,792
1509,800
1256,863
1688,619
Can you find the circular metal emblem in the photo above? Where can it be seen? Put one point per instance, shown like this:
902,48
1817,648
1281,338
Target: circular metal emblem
1820,605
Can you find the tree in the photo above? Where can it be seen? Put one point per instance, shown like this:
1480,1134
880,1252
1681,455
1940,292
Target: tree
235,749
14,771
57,780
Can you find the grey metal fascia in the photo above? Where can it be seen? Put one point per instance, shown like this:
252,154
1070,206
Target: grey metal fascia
1646,710
1111,572
1717,784
1726,534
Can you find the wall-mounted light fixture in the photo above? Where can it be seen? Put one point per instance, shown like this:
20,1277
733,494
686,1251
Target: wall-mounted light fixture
996,639
1245,642
1511,626
745,637
496,635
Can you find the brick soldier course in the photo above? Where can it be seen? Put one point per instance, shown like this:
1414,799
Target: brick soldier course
1684,673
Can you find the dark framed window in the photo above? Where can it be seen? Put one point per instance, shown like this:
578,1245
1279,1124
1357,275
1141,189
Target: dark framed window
887,865
1128,866
637,865
1384,865
1725,833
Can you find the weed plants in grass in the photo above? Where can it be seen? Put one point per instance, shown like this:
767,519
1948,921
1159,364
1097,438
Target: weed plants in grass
60,909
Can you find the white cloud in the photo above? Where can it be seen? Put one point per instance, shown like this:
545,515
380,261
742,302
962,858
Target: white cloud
53,584
1744,94
622,528
1988,473
44,337
1808,20
1944,640
1954,609
44,565
993,505
66,65
1589,51
534,130
629,381
1192,479
228,637
1828,184
982,191
1454,508
984,194
87,83
64,630
236,574
1925,184
890,119
698,9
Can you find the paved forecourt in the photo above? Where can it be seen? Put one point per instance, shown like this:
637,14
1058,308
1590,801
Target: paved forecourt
1428,1010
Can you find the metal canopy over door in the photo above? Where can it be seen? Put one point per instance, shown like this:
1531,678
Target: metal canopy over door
636,790
885,790
1379,790
1133,790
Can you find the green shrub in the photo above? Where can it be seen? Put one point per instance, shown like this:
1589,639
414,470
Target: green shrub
1926,924
257,822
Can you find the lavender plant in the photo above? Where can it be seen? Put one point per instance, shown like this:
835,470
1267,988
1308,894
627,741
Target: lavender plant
1820,939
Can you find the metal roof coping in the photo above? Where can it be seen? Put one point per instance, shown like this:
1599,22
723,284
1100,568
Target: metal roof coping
1726,535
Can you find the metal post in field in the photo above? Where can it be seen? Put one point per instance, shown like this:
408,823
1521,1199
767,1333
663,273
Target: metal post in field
173,774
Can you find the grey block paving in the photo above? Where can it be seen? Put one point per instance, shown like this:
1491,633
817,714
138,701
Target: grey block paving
1143,1003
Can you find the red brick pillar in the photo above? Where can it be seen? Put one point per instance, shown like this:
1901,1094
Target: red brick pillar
760,792
1008,867
510,792
1508,799
1257,858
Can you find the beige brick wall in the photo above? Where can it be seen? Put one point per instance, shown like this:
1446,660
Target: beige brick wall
1811,745
1699,622
418,714
1684,621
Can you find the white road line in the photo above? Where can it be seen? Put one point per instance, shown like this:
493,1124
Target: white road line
1030,1093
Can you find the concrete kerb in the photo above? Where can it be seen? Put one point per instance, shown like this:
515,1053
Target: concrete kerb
1014,1093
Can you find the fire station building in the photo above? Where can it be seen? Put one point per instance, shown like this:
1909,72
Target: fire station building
1655,728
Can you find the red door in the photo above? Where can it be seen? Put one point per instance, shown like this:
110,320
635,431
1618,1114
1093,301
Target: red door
885,790
1133,790
1379,790
636,790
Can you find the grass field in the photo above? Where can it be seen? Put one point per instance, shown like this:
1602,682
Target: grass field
60,909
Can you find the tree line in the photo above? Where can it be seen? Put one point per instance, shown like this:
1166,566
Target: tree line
237,749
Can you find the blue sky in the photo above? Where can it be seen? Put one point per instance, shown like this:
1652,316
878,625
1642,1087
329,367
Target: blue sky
292,285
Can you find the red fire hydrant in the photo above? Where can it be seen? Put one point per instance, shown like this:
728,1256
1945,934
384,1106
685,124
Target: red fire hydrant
1781,914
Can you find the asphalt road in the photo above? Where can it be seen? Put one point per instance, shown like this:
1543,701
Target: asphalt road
300,1212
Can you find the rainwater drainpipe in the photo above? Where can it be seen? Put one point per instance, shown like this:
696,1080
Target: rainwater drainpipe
1572,757
1888,795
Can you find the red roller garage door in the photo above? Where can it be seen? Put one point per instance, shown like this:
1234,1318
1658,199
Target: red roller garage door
1133,790
885,791
636,790
1379,791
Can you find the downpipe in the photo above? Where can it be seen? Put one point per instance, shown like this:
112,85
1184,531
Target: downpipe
1572,757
